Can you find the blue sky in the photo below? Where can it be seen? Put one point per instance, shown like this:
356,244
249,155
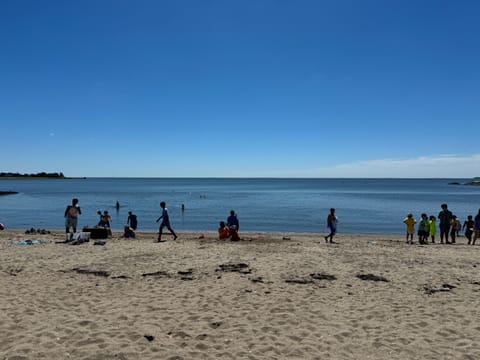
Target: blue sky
338,88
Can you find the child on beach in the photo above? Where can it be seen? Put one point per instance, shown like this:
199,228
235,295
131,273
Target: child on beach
469,226
165,223
410,222
454,224
332,225
223,232
423,230
105,221
433,228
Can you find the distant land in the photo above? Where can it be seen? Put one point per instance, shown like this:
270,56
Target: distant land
12,175
8,192
475,182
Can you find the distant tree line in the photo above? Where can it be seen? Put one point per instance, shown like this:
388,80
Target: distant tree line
37,175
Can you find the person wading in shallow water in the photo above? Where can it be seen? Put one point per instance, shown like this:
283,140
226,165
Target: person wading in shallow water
165,223
332,225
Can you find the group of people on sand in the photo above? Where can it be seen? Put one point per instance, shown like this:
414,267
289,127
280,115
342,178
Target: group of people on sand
73,211
230,229
449,225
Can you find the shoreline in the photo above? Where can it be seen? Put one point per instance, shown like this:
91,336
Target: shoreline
117,234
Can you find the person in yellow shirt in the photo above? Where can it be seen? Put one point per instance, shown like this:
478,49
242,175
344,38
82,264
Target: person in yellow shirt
410,222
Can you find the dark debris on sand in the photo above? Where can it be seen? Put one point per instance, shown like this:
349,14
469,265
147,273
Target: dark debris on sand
371,277
445,288
241,268
91,272
321,276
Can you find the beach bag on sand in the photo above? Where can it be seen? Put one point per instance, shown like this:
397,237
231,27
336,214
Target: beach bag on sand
97,232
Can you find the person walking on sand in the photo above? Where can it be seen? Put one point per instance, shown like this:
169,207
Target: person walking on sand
410,222
71,216
445,218
165,223
332,221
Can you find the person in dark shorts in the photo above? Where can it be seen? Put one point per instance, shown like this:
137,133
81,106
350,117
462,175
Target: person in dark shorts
331,225
469,227
165,223
445,218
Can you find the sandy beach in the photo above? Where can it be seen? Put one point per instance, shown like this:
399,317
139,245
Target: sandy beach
269,296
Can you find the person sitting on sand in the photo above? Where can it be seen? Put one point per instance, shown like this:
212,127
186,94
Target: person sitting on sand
223,232
132,220
233,226
128,232
410,222
331,225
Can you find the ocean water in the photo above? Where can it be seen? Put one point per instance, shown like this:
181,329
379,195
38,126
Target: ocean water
284,205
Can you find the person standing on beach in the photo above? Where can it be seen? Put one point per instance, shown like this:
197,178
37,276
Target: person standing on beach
165,223
71,216
454,224
233,226
445,217
433,228
332,221
469,227
423,230
477,227
410,222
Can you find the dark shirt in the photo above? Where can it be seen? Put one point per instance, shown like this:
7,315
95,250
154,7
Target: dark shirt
445,216
233,221
132,221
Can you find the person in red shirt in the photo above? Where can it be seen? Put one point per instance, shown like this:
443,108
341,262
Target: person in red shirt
223,232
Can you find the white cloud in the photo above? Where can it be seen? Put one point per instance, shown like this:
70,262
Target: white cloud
438,166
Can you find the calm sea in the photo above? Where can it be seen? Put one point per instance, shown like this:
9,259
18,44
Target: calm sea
284,205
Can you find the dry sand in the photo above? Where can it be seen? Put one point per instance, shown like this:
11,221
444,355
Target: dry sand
134,299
